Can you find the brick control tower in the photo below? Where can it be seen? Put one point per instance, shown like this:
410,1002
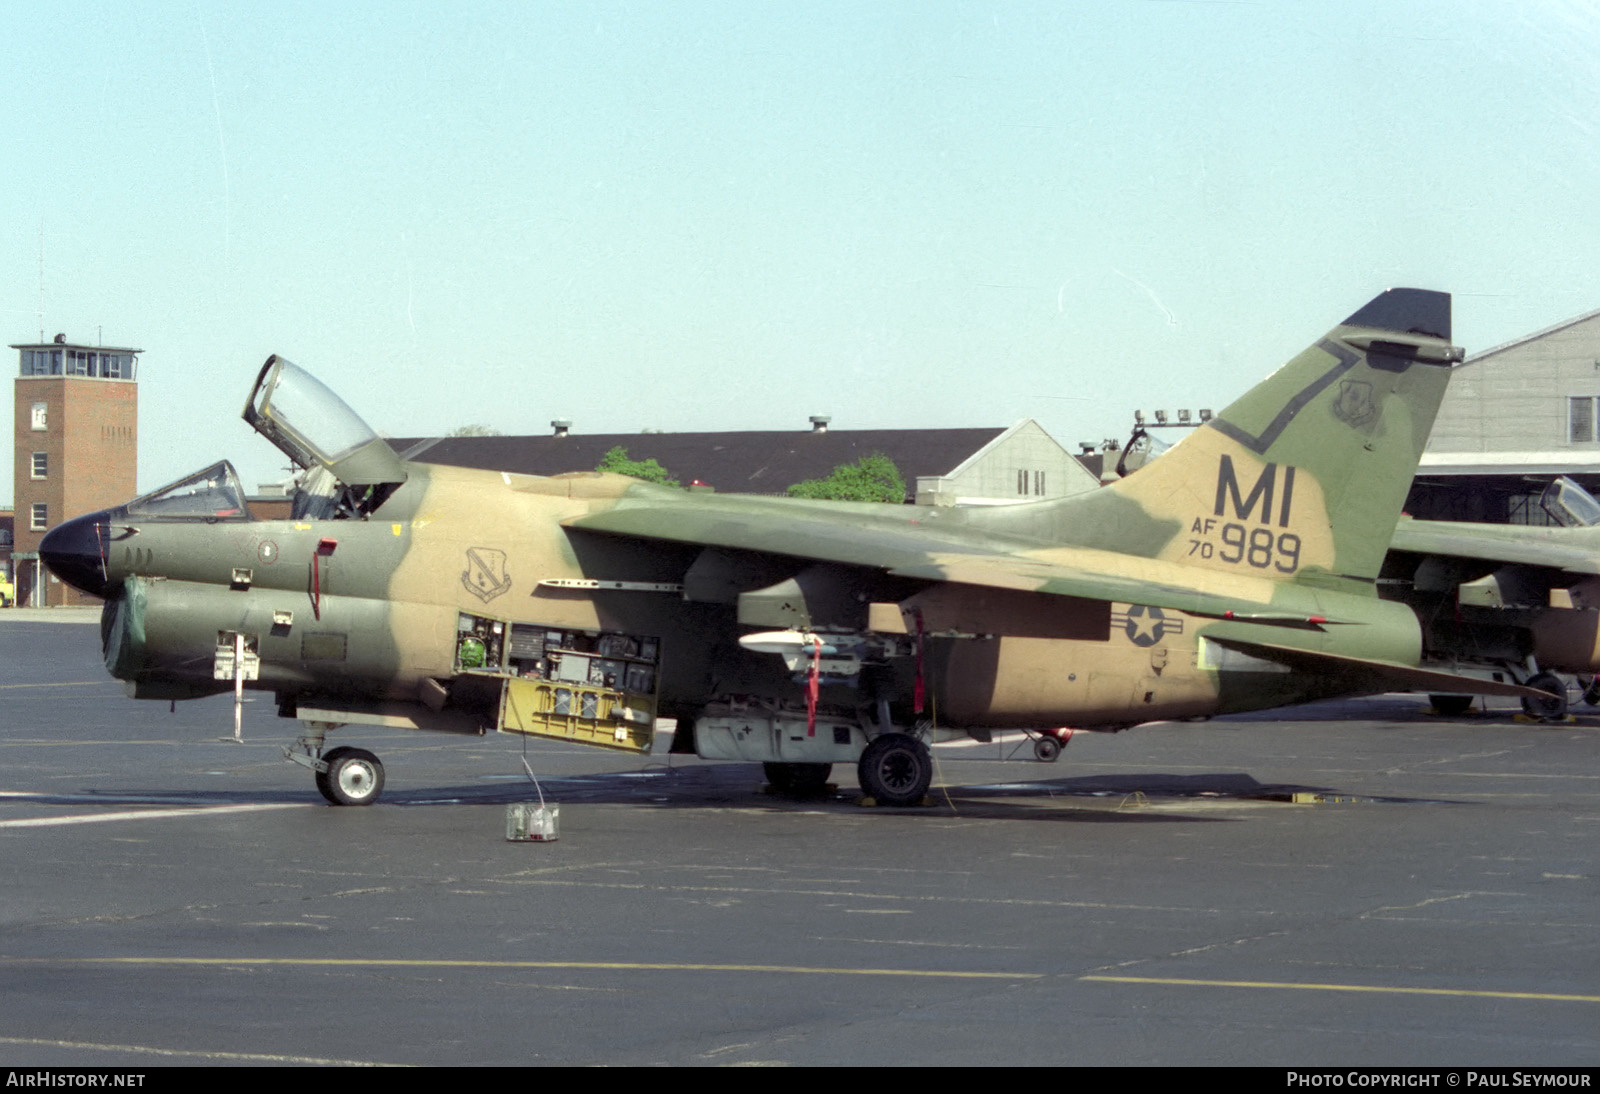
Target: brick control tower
76,449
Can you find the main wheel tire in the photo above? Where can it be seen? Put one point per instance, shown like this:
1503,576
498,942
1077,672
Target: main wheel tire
895,769
354,777
798,779
1452,706
1591,691
1552,709
1047,749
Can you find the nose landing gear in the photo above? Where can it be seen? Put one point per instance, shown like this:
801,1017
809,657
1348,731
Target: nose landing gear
354,777
345,776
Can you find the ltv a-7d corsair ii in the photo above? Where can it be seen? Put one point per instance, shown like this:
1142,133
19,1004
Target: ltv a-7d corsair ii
1237,573
1510,602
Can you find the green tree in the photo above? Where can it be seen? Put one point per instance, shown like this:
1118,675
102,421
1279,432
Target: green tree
873,477
474,431
617,462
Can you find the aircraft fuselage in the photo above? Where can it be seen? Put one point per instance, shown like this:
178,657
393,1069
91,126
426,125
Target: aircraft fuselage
340,612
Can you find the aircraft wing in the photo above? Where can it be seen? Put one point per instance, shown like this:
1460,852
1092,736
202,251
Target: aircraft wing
931,547
1104,575
1572,550
856,534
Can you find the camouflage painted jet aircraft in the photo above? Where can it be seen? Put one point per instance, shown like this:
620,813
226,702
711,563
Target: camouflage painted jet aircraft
1508,602
1237,573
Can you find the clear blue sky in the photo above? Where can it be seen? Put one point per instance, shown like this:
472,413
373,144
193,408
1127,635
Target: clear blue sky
693,216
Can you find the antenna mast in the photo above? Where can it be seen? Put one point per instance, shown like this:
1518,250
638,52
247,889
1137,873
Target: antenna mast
41,279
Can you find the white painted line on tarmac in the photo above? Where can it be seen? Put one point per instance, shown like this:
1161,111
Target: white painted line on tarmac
199,1054
60,684
147,814
1380,989
469,963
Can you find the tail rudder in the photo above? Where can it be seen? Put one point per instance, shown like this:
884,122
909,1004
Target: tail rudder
1302,478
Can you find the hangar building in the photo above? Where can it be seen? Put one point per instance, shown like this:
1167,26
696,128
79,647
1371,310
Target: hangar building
1515,417
989,466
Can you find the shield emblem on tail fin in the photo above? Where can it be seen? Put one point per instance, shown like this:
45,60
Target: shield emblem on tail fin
1355,405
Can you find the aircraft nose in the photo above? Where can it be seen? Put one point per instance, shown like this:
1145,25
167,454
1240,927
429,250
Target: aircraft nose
75,551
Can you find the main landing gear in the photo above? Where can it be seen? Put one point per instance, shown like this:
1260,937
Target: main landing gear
1551,709
345,776
1590,686
895,769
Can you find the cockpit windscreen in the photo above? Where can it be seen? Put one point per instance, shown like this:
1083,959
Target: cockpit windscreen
212,495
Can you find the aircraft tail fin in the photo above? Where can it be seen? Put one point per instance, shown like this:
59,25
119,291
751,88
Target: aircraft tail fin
1303,478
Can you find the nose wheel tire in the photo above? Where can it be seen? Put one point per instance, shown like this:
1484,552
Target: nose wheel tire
895,769
354,777
1047,749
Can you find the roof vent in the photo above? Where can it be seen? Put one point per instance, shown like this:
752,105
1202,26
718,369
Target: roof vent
561,426
819,423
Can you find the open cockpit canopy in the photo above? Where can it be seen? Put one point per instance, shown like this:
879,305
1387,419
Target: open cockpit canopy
1569,505
317,430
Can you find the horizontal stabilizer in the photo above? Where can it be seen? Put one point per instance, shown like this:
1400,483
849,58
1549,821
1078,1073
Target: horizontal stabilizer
1098,575
1386,675
1572,550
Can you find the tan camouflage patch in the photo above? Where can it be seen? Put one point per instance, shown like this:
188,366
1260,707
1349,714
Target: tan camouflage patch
1240,514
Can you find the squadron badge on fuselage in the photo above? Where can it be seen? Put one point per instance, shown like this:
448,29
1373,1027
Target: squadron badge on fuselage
485,576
